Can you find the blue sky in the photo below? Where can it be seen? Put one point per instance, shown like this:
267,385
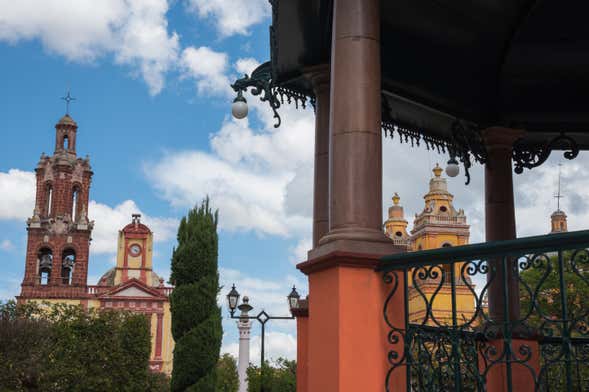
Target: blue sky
151,81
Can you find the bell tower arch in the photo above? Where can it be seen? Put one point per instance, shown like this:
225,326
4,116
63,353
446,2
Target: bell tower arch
59,232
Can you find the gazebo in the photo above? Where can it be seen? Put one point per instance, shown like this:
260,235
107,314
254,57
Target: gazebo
503,83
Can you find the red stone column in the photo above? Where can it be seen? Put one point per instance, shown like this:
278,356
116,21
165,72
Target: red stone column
158,336
500,225
347,334
355,170
500,212
319,77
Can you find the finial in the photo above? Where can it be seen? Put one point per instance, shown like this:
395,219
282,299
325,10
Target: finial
136,219
68,98
437,170
396,199
558,196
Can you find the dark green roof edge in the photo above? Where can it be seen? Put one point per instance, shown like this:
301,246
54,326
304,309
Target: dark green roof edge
520,246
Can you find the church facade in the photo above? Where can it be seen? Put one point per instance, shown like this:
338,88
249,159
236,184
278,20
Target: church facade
58,245
439,225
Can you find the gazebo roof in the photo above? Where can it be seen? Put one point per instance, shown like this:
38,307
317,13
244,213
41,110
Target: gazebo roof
516,63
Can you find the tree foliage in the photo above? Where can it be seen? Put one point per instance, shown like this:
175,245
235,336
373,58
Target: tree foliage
196,317
542,298
227,377
66,348
279,378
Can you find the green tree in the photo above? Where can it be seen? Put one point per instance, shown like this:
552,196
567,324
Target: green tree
279,378
227,377
541,295
196,318
66,348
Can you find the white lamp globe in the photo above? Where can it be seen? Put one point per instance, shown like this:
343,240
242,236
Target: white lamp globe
452,169
239,107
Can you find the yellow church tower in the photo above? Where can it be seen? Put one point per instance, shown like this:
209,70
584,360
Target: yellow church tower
438,225
396,225
133,286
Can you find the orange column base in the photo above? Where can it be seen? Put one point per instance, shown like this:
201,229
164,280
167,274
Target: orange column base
347,335
522,375
302,315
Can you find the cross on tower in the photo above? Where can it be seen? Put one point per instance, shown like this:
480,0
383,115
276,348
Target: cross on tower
68,98
558,196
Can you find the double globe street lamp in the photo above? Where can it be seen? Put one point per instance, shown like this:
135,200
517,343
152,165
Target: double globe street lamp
262,317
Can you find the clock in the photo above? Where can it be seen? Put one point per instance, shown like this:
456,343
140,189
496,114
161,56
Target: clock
135,250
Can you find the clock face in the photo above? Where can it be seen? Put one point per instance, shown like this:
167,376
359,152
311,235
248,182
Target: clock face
135,250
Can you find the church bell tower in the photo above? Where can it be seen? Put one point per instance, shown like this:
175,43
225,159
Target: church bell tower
59,231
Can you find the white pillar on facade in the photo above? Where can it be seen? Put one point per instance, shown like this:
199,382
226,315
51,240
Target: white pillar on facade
244,326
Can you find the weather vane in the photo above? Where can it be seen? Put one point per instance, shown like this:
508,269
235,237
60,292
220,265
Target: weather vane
68,98
558,196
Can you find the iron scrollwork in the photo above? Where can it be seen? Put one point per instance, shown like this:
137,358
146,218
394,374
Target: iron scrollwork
528,157
262,84
444,335
466,141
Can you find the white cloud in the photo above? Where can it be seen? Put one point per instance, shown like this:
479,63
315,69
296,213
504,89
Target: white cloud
6,245
134,32
246,65
231,16
299,251
207,68
17,198
535,189
254,176
109,220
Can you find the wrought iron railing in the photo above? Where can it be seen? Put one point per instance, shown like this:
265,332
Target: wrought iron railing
509,315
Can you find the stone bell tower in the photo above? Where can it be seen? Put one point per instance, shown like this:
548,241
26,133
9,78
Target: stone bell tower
59,230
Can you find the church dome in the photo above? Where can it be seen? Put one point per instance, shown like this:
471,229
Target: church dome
66,120
136,228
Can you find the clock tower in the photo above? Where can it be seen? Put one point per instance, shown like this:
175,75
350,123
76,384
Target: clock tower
134,256
58,238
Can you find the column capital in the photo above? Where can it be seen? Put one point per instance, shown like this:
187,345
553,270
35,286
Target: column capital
501,137
318,75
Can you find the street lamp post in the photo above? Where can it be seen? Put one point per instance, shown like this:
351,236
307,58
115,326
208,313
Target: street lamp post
262,318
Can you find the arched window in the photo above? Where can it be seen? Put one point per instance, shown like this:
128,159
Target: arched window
399,234
443,209
68,261
48,198
66,142
561,225
45,260
75,197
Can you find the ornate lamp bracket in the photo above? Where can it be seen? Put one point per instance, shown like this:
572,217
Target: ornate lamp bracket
466,141
528,157
262,85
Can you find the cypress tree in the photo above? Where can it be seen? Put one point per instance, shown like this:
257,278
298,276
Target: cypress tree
196,317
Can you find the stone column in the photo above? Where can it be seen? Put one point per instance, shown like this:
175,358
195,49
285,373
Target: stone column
319,77
500,225
355,170
244,326
158,336
500,213
345,333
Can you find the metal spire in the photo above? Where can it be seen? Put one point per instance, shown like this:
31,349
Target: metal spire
68,98
558,196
